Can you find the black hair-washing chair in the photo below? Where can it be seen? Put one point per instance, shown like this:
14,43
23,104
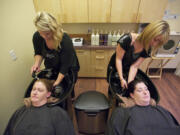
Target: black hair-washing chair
115,86
61,91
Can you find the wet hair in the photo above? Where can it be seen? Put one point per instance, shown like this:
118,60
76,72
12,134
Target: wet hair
132,86
46,22
49,86
47,83
157,28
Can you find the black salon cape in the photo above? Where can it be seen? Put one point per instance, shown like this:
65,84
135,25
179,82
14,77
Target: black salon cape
138,120
42,120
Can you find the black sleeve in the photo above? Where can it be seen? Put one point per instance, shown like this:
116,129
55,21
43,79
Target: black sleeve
37,43
13,120
144,54
117,122
67,54
125,41
61,122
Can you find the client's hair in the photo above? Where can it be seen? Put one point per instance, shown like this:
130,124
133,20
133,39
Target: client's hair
132,86
49,86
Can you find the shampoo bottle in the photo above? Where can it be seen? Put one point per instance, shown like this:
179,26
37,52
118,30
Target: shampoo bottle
109,39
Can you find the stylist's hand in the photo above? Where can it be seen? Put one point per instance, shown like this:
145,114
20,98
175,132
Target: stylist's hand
56,83
35,68
123,84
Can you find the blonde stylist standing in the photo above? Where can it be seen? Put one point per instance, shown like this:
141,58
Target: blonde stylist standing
54,46
133,48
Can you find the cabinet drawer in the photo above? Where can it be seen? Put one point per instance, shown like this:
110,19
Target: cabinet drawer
93,63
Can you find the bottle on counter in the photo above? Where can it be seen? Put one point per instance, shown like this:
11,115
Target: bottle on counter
109,39
97,38
114,39
118,35
93,38
105,37
101,38
123,32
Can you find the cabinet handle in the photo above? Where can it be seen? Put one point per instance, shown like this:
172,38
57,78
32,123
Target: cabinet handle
99,68
99,57
80,51
100,51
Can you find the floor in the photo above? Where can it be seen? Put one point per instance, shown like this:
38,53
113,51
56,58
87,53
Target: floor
168,87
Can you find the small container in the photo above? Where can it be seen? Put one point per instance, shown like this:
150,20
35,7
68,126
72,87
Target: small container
77,41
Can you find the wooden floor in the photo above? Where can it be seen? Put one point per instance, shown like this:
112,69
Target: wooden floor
168,87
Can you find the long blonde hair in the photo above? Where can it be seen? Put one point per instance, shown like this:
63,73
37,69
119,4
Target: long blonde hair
46,22
153,30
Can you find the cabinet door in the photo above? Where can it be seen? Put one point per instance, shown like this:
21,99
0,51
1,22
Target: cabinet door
51,6
85,63
99,11
124,11
151,10
75,11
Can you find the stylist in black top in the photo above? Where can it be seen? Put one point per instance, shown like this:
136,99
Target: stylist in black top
133,48
53,46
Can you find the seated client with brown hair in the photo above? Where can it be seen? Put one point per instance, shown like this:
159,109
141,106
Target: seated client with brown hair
37,118
139,115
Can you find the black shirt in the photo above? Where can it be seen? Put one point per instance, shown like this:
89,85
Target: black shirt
60,60
42,120
130,57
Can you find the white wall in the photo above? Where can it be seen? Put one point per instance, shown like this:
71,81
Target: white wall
173,9
16,29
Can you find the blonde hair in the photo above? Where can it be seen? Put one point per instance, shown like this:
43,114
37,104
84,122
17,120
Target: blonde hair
49,86
46,22
157,28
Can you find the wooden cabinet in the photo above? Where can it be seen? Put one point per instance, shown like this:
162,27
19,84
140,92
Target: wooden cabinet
66,11
99,62
84,57
51,6
99,11
151,10
93,63
139,11
103,11
124,10
75,11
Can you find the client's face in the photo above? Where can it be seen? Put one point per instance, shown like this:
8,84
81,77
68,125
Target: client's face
141,94
39,94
